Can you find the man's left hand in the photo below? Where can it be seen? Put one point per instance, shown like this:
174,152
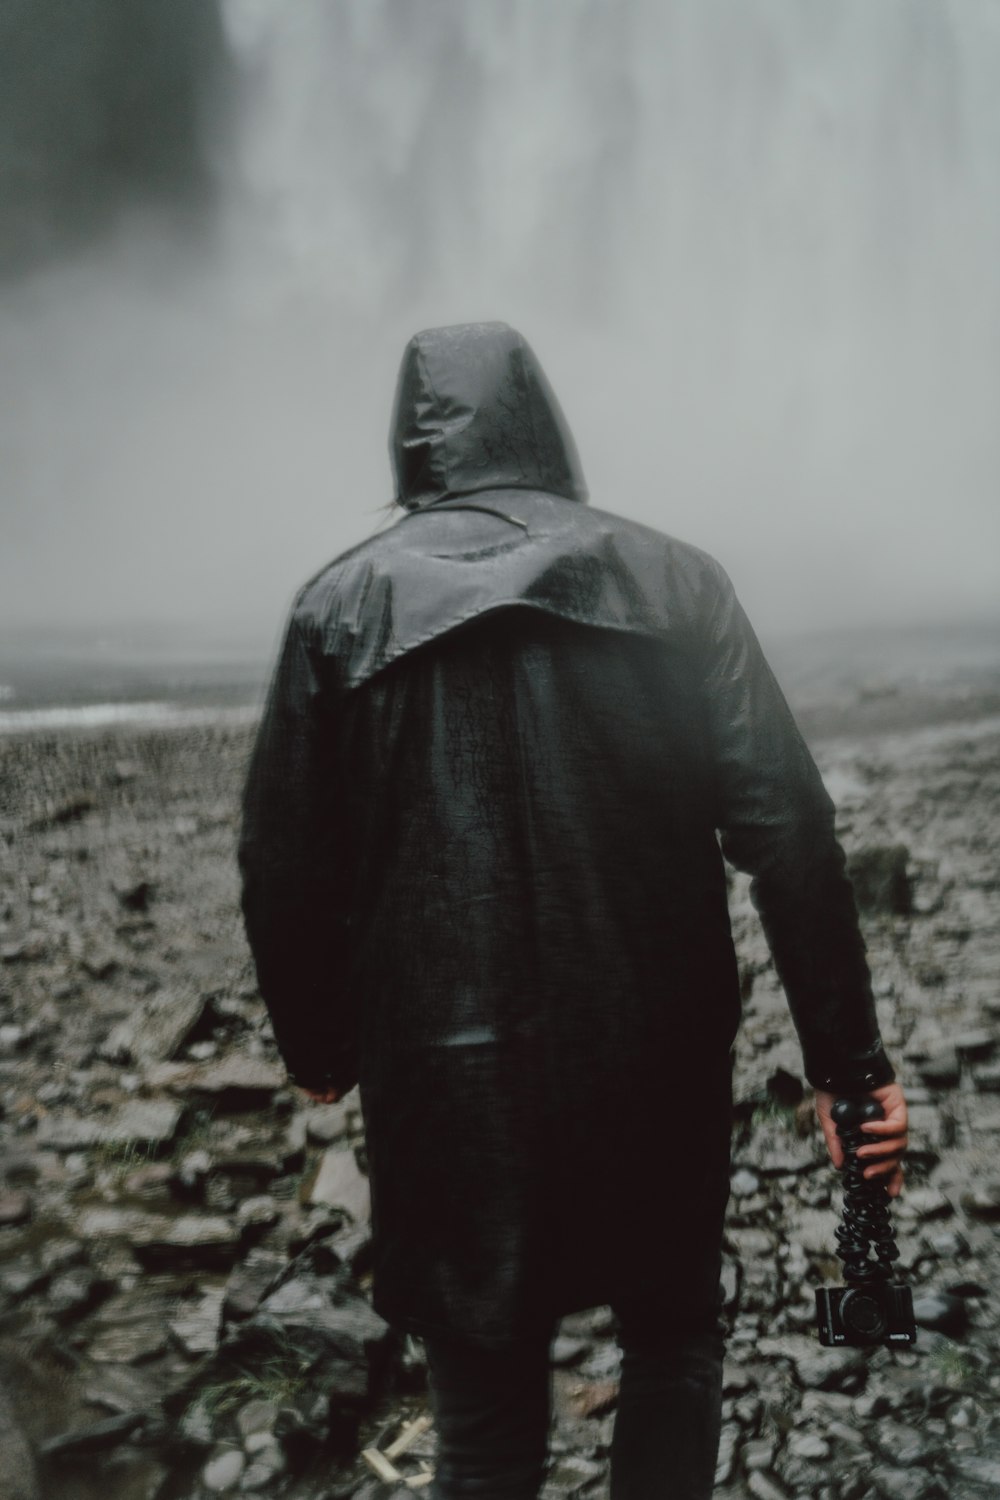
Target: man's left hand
882,1157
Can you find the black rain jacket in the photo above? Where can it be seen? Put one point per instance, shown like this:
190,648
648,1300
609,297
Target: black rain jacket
482,865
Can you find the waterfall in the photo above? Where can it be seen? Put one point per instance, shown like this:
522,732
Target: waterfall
756,243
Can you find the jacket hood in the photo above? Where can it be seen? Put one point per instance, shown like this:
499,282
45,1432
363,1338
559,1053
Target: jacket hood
474,411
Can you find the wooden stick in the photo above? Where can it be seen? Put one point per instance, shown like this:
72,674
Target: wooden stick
411,1432
381,1465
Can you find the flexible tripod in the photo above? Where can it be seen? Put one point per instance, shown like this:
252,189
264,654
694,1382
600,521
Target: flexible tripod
870,1308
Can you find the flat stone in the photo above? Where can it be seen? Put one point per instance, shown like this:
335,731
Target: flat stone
944,1313
140,1334
15,1208
22,1276
71,1294
816,1368
67,1133
265,1468
903,1484
729,1442
764,1486
257,1417
973,1046
744,1183
94,1438
809,1446
814,1230
198,1239
340,1184
141,1122
239,1081
250,1281
156,1029
984,1471
987,1080
758,1454
259,1212
197,1326
157,1239
941,1071
929,1131
901,1445
925,1203
146,1122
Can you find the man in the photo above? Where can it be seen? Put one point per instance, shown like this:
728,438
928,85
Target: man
482,876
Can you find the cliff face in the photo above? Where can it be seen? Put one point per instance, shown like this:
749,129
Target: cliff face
101,105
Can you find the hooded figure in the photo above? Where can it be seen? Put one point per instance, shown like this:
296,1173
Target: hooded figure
482,872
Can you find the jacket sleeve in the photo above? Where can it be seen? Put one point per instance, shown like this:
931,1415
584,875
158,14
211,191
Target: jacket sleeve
776,822
296,874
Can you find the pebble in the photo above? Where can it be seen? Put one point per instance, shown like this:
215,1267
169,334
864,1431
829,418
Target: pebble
15,1208
266,1467
973,1046
808,1445
983,1201
340,1184
259,1212
729,1441
764,1486
941,1311
256,1417
223,1470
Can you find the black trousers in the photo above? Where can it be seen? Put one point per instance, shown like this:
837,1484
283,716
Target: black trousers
491,1409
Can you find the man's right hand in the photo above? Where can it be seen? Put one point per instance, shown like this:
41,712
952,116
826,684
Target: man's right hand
889,1138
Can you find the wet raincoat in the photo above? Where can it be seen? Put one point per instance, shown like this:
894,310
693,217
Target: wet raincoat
482,865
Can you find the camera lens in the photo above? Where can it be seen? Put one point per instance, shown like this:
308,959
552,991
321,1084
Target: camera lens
863,1314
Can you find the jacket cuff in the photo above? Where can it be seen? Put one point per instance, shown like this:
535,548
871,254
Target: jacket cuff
857,1075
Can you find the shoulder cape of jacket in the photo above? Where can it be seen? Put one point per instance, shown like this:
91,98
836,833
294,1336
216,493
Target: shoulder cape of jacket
443,566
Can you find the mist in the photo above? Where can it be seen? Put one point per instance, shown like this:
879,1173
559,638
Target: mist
755,244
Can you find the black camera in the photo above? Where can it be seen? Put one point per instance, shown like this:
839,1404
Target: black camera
864,1315
871,1309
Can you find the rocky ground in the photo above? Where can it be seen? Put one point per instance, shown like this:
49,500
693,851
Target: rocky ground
183,1237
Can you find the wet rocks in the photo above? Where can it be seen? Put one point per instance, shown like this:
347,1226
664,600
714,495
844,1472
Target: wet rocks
141,1317
15,1208
340,1184
236,1082
198,1323
250,1281
983,1200
141,1123
156,1028
773,1148
943,1312
93,1438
